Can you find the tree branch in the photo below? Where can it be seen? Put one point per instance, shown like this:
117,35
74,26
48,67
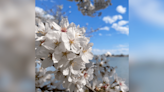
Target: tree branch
90,89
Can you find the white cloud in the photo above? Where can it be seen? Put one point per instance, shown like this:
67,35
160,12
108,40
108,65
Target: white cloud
109,19
48,16
100,34
122,22
105,28
149,11
121,9
122,46
69,6
52,1
121,27
108,34
39,10
42,13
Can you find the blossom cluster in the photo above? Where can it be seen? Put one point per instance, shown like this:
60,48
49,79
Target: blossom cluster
89,7
65,47
105,77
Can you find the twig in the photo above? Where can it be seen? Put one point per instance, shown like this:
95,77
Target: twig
45,88
90,89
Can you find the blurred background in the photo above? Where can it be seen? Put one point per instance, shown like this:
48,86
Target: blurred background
142,70
146,50
17,45
146,76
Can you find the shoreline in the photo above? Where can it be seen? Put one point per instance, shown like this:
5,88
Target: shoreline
117,56
114,55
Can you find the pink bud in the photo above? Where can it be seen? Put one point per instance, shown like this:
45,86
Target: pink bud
64,30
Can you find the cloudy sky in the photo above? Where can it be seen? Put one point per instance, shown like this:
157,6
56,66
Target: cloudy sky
114,25
146,37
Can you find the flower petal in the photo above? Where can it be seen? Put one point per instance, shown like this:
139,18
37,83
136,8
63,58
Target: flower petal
48,44
56,57
85,58
83,81
47,63
64,37
66,71
62,61
89,55
71,33
56,26
71,56
41,38
78,64
67,46
83,41
64,23
54,35
71,25
75,47
41,26
69,79
60,48
75,72
89,45
41,52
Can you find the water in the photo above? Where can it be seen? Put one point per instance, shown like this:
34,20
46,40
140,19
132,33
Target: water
147,77
122,69
122,64
140,76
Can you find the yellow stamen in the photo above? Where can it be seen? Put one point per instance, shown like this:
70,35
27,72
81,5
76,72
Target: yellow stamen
42,32
52,27
71,41
72,63
83,71
56,43
76,35
42,42
97,89
84,51
85,75
50,55
65,53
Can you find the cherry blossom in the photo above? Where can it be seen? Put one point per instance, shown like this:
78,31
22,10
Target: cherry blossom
65,48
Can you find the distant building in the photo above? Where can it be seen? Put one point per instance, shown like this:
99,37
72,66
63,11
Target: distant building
108,54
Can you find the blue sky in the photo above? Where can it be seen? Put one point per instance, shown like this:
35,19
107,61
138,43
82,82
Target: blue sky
113,39
146,37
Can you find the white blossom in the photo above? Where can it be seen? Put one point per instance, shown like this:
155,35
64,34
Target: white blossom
65,47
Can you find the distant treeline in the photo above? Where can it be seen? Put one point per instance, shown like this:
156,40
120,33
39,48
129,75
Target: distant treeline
120,55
